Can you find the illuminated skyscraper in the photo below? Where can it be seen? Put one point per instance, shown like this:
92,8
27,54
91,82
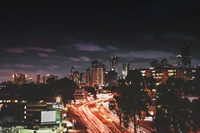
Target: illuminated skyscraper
125,69
186,56
76,77
179,60
114,63
19,78
98,71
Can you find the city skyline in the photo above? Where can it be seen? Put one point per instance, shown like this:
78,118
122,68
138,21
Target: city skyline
37,41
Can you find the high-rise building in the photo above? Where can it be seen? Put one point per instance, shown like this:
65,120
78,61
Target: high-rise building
87,75
154,63
98,71
38,78
163,62
186,56
43,80
112,77
19,78
114,63
125,69
76,77
179,60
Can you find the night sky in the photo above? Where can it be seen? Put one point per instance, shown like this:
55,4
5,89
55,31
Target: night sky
49,38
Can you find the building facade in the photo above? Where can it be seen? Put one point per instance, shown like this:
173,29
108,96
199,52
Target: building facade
162,74
19,78
98,73
186,56
114,63
125,69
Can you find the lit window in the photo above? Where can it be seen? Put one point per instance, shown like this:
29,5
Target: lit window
1,101
24,112
24,117
143,71
193,70
24,107
170,74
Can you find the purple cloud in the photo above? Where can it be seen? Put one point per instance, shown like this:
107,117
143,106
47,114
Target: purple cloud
82,58
43,55
15,50
74,59
41,49
112,48
88,47
149,54
53,67
77,66
23,66
6,65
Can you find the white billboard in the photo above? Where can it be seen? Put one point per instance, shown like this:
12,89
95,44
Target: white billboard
48,117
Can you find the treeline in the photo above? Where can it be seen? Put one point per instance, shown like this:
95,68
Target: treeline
63,87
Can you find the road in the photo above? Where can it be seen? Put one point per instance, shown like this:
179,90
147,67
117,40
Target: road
96,119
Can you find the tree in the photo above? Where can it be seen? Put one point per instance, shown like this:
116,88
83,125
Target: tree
65,88
132,97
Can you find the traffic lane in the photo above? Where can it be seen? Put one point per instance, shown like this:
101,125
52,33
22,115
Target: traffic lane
80,126
106,122
115,120
105,119
89,121
146,125
93,123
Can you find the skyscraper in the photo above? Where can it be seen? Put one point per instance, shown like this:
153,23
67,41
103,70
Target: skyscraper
38,78
98,71
114,63
163,62
179,60
19,78
186,56
125,69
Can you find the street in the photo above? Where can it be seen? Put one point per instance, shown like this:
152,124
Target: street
96,119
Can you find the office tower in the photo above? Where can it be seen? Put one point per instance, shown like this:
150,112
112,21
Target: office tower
125,69
72,73
179,60
114,63
98,71
186,56
87,75
154,63
38,78
163,62
76,77
43,80
19,78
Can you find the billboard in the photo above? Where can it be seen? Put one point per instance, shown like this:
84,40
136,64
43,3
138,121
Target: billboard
51,117
48,117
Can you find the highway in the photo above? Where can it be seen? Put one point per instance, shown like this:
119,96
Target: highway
99,119
96,119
